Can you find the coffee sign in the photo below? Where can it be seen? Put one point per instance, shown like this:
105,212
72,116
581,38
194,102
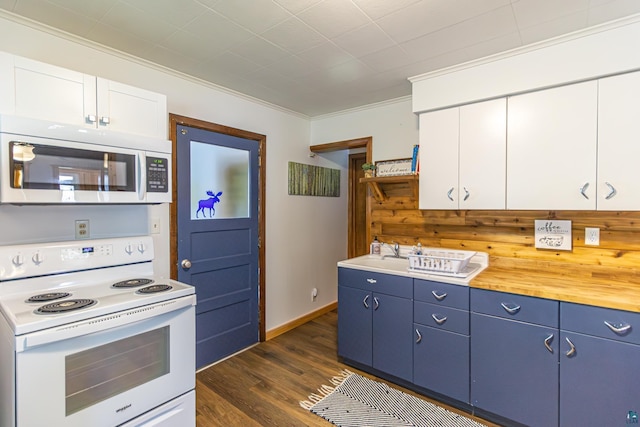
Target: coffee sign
553,234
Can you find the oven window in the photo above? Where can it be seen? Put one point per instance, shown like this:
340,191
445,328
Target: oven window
44,167
102,372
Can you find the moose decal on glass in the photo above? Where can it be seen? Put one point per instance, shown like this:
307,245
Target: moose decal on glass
209,203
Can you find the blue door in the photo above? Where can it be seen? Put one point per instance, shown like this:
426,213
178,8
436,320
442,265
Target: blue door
218,237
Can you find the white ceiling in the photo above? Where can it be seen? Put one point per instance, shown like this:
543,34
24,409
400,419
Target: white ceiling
317,56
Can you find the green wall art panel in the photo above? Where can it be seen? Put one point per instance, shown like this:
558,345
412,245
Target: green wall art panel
309,180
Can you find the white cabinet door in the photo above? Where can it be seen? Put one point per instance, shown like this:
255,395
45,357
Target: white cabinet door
483,155
133,110
53,93
439,159
7,94
619,143
551,148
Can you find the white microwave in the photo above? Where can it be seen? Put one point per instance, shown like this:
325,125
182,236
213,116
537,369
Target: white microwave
51,163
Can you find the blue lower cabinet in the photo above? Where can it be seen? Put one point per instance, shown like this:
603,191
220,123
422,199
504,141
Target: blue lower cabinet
441,362
355,325
392,335
515,369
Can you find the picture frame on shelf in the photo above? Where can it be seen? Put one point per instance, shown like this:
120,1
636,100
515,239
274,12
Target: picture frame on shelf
396,167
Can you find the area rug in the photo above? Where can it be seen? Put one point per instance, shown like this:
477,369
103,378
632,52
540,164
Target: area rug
356,401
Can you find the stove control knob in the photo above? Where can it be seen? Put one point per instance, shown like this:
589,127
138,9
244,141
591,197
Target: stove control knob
141,248
37,258
185,264
18,260
128,249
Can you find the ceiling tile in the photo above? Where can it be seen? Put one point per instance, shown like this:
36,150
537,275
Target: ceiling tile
90,9
554,28
134,21
233,64
293,36
217,30
364,40
293,67
534,12
191,45
297,6
120,39
325,55
177,13
611,10
387,59
334,17
255,15
378,8
55,16
260,51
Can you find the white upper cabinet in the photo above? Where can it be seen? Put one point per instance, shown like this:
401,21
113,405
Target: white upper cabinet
619,143
463,156
7,100
57,94
551,155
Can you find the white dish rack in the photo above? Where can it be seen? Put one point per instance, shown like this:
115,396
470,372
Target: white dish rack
441,261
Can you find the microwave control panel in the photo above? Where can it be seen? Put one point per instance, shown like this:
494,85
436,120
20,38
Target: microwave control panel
157,175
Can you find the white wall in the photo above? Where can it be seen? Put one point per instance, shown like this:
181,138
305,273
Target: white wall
305,236
392,125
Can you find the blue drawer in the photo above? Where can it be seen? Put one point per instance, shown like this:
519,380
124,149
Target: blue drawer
441,317
600,322
389,284
446,294
517,307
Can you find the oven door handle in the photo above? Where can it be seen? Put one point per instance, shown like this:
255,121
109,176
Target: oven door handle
102,323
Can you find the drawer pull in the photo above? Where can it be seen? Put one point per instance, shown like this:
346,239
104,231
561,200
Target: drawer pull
364,301
620,330
547,342
372,281
439,320
572,349
377,303
510,308
419,335
438,296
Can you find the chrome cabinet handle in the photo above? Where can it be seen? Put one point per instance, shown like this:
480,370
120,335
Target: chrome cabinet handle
449,194
104,120
372,281
510,308
377,303
364,301
91,118
547,342
438,296
620,330
185,264
572,350
583,189
612,191
419,335
466,193
439,320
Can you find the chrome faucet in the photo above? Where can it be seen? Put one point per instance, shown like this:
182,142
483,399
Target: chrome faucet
395,249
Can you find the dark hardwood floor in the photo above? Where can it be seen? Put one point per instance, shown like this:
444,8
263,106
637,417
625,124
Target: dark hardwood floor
263,386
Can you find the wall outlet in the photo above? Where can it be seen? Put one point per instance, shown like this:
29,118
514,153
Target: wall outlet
592,236
82,229
314,294
155,226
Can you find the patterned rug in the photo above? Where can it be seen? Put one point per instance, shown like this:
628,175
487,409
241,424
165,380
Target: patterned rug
356,401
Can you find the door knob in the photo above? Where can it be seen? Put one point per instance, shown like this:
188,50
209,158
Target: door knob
186,264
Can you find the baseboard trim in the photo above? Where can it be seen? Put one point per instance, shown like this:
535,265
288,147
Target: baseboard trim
272,333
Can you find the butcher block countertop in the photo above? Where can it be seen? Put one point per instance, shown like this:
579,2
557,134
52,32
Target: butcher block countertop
612,289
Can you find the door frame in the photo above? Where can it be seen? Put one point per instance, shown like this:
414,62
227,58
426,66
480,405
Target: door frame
177,120
366,143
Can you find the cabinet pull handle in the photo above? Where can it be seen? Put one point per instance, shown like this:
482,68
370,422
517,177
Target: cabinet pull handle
419,335
572,350
547,342
376,302
620,330
364,301
438,296
439,320
449,194
105,120
466,193
510,307
583,189
612,191
91,118
372,281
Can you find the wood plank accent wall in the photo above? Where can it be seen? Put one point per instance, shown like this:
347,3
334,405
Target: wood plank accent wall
508,236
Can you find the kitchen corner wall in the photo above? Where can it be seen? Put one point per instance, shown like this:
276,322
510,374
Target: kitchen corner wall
305,236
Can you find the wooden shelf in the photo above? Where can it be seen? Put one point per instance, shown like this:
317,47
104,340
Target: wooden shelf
378,185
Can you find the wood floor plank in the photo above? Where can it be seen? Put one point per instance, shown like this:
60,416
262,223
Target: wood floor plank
263,385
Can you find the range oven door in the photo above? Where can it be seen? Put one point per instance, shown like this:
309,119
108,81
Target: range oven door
110,375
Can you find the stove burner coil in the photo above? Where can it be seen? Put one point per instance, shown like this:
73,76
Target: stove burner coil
132,283
66,305
154,289
48,296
